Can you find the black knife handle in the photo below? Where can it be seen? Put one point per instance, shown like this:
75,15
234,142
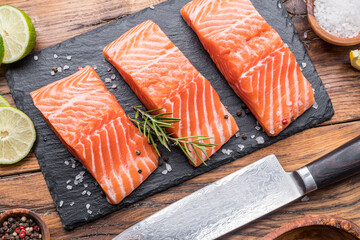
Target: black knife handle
337,165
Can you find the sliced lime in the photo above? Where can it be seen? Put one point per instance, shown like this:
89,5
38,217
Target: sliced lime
17,135
1,49
18,33
3,102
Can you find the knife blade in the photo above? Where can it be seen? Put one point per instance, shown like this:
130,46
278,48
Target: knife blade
243,196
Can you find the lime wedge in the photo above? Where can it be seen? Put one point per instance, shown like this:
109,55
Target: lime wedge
17,135
18,33
3,102
1,50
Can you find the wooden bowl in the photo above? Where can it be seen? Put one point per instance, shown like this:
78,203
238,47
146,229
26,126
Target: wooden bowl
316,228
19,212
324,34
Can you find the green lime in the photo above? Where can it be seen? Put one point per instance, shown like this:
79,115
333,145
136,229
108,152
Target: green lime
18,33
3,102
1,50
17,135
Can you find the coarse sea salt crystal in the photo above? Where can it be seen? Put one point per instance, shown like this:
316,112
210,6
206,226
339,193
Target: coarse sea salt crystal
260,140
52,73
252,136
257,128
68,181
113,86
279,4
286,45
59,69
113,76
107,80
56,56
66,163
315,105
61,203
88,193
83,192
237,134
86,185
271,132
226,151
66,67
152,7
69,187
168,167
241,147
303,64
36,58
72,203
73,165
164,172
89,211
68,57
339,18
87,206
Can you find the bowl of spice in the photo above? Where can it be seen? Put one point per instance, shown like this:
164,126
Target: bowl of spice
22,224
316,228
335,21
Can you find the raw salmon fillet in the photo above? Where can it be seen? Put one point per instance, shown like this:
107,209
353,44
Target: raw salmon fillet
95,129
250,54
162,77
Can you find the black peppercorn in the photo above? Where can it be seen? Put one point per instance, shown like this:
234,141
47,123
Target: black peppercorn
166,159
226,116
247,111
244,136
160,162
243,106
239,113
293,119
139,171
138,152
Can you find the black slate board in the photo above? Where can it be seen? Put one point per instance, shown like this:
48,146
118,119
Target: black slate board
86,49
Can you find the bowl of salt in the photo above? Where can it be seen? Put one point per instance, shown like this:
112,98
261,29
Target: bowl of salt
335,21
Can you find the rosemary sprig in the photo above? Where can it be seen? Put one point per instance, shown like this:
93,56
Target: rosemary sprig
157,124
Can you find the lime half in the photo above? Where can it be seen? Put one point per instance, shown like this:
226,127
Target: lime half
1,50
18,33
17,135
3,102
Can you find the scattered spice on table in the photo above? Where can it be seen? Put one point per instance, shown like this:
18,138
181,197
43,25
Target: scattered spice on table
239,113
20,228
244,136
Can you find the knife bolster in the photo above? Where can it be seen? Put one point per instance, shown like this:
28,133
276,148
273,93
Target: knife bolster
307,179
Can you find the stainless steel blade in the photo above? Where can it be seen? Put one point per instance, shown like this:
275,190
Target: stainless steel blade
224,205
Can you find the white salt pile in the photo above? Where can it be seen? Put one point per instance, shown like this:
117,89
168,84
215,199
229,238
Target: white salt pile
339,18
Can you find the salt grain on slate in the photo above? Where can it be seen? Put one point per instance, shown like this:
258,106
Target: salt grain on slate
66,163
241,147
68,57
164,172
94,67
55,56
68,181
59,69
286,45
108,69
89,211
52,73
168,167
61,203
72,203
279,5
113,76
226,151
36,58
66,67
315,105
113,86
257,128
260,140
69,187
237,134
88,193
87,206
252,136
83,192
73,165
152,7
303,64
85,185
107,80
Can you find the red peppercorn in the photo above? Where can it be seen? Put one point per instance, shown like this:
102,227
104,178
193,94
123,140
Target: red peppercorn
36,228
284,121
79,68
21,227
18,230
22,234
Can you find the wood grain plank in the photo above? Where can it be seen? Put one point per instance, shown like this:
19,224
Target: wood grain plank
293,153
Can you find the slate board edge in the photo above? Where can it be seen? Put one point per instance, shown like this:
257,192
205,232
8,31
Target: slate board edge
69,226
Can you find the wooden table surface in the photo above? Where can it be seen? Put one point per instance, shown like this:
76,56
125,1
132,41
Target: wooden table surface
23,185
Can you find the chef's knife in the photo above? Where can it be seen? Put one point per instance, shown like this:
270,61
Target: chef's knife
244,196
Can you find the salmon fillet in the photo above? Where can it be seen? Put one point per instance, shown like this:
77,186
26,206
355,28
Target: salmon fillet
95,129
250,54
162,77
